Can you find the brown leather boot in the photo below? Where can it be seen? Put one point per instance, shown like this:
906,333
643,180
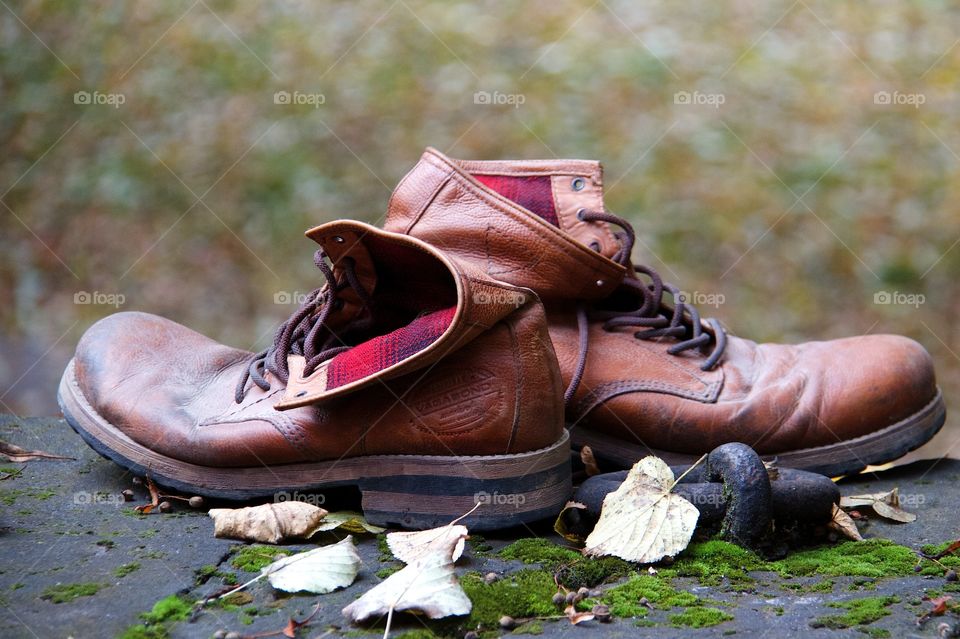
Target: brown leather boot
418,379
643,371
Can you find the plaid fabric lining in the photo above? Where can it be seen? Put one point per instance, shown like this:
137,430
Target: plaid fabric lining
534,193
384,351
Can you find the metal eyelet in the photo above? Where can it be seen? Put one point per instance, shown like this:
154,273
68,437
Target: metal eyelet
600,283
578,184
301,394
338,239
580,213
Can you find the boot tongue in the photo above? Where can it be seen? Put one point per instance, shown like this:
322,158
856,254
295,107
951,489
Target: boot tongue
553,190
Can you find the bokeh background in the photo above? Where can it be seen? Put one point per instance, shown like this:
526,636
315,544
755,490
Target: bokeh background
798,162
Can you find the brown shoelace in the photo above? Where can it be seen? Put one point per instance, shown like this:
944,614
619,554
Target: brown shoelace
305,332
681,322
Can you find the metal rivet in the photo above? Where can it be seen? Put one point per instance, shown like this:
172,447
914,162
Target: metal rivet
338,239
600,283
578,184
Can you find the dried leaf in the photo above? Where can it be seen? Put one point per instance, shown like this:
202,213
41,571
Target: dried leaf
17,455
349,521
949,550
642,521
589,461
446,541
560,525
844,524
885,504
575,616
268,523
940,605
319,571
428,585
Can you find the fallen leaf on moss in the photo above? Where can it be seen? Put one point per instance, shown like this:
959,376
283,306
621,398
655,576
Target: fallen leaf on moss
352,522
17,455
319,571
642,521
885,504
844,524
268,523
446,541
576,616
427,584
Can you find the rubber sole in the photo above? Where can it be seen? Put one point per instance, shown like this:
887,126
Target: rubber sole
407,491
834,460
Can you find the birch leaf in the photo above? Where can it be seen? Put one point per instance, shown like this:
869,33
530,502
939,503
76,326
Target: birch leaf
319,571
269,523
642,521
428,585
446,541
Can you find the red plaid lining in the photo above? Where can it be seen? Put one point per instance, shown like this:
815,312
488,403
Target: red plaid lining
534,193
384,351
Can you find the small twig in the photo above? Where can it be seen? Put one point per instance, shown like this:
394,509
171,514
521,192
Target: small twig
13,473
687,471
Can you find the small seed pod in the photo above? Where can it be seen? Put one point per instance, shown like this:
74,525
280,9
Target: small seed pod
196,501
559,599
571,598
127,494
951,575
165,507
471,634
507,622
490,577
601,613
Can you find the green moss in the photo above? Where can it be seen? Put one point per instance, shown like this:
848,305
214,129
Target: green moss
386,571
62,593
523,594
530,628
712,561
256,557
859,612
479,544
384,548
820,585
419,633
624,600
168,609
876,633
699,617
144,632
869,558
206,572
126,569
571,568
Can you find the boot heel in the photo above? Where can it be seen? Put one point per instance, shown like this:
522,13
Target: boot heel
427,492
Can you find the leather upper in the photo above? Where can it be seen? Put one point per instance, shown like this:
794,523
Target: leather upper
774,397
489,386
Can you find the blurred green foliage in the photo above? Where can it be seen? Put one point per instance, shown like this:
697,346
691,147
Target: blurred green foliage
797,199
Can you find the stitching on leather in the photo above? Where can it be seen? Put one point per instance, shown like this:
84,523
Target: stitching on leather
609,390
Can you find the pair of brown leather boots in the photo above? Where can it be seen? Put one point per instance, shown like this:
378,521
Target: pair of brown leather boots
452,358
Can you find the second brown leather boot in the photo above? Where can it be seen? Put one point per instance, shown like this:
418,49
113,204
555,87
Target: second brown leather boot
418,379
643,371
